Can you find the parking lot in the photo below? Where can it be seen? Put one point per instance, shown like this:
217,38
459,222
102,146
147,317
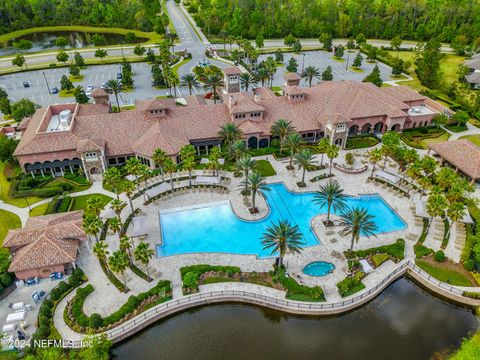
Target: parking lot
93,75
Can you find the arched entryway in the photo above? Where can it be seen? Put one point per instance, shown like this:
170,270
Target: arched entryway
339,142
395,127
252,142
378,127
353,130
366,128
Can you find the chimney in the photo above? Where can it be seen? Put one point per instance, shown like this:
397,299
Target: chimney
257,98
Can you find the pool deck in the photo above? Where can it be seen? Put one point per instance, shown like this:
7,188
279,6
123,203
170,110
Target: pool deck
106,298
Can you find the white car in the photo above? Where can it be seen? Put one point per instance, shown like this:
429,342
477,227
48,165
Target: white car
89,90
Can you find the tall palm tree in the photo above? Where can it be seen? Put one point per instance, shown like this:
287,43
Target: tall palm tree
355,222
94,205
322,147
255,183
128,188
134,167
189,81
247,79
170,168
116,87
115,224
158,158
187,155
229,132
282,128
262,75
331,195
214,160
92,224
303,159
126,246
212,83
245,164
113,179
282,237
293,143
436,204
100,249
143,254
375,157
332,152
117,205
174,81
237,149
118,263
310,73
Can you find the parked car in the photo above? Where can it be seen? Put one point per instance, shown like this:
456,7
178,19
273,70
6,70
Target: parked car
54,90
32,281
103,86
26,84
119,76
56,275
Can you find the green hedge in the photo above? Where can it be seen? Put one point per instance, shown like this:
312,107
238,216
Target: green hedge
296,291
396,251
77,318
191,274
471,294
351,285
421,250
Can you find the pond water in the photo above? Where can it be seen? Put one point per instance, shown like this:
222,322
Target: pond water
403,322
46,40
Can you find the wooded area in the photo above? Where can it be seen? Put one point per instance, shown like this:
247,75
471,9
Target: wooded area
409,19
131,14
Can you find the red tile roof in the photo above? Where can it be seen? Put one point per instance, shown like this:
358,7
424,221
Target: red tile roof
232,70
461,153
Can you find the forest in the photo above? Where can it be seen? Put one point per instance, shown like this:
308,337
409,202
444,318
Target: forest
382,19
131,14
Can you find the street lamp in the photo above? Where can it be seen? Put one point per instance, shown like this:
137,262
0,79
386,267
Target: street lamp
348,58
46,83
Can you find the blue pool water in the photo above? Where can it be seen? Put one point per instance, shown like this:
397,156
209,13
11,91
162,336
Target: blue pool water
216,228
318,268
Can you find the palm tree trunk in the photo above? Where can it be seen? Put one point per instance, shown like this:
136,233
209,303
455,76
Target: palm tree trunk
124,280
291,159
253,200
131,204
321,161
303,176
246,180
331,161
373,170
118,104
171,180
190,178
351,244
148,270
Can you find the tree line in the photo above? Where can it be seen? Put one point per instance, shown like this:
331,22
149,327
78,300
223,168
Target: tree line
131,14
409,19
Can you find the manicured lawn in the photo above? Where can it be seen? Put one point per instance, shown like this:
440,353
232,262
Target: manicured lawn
442,273
264,168
5,188
75,187
8,221
442,138
339,59
473,138
80,202
417,138
76,78
457,128
361,142
183,62
39,210
66,93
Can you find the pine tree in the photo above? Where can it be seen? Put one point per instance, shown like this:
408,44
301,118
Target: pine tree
327,75
65,83
374,77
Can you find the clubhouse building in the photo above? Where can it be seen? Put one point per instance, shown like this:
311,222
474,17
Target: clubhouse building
65,137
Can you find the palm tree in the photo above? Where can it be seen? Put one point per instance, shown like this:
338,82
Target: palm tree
330,195
212,83
375,157
134,167
100,249
282,237
436,204
189,81
92,224
255,183
128,188
94,205
174,81
355,222
311,72
112,178
247,79
322,147
303,160
115,224
293,143
170,168
158,158
117,205
332,152
282,128
262,75
214,160
126,246
229,132
237,149
118,263
187,155
143,254
116,87
245,164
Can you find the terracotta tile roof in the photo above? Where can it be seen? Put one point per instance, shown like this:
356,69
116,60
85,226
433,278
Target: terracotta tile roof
151,104
99,92
151,140
232,70
461,153
289,76
293,90
90,145
249,127
46,241
244,106
404,93
24,123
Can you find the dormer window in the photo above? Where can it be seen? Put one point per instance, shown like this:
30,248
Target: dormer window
240,116
157,112
341,127
91,156
255,114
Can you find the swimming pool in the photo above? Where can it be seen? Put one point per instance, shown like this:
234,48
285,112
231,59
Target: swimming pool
318,268
215,227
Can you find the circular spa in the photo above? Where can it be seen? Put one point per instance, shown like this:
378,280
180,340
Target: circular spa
318,268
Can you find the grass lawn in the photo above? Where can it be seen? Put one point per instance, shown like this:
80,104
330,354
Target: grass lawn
361,142
8,221
442,273
339,59
442,138
39,210
418,139
473,138
356,69
76,78
75,187
264,168
181,63
5,188
66,93
80,202
457,128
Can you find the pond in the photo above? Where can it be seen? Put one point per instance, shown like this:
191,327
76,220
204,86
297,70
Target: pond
46,40
403,322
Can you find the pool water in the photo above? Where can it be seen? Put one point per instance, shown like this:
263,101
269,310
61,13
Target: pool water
318,268
216,228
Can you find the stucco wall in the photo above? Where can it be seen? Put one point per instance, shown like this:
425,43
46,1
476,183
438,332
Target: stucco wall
40,272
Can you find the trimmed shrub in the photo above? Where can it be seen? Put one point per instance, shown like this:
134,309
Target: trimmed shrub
190,280
469,265
379,259
396,250
351,285
95,321
6,279
43,331
439,256
191,274
421,250
45,311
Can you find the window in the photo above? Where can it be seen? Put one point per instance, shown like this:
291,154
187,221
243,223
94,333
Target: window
341,127
112,161
91,156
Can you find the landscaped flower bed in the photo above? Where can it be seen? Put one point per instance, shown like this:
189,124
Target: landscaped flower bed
95,323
